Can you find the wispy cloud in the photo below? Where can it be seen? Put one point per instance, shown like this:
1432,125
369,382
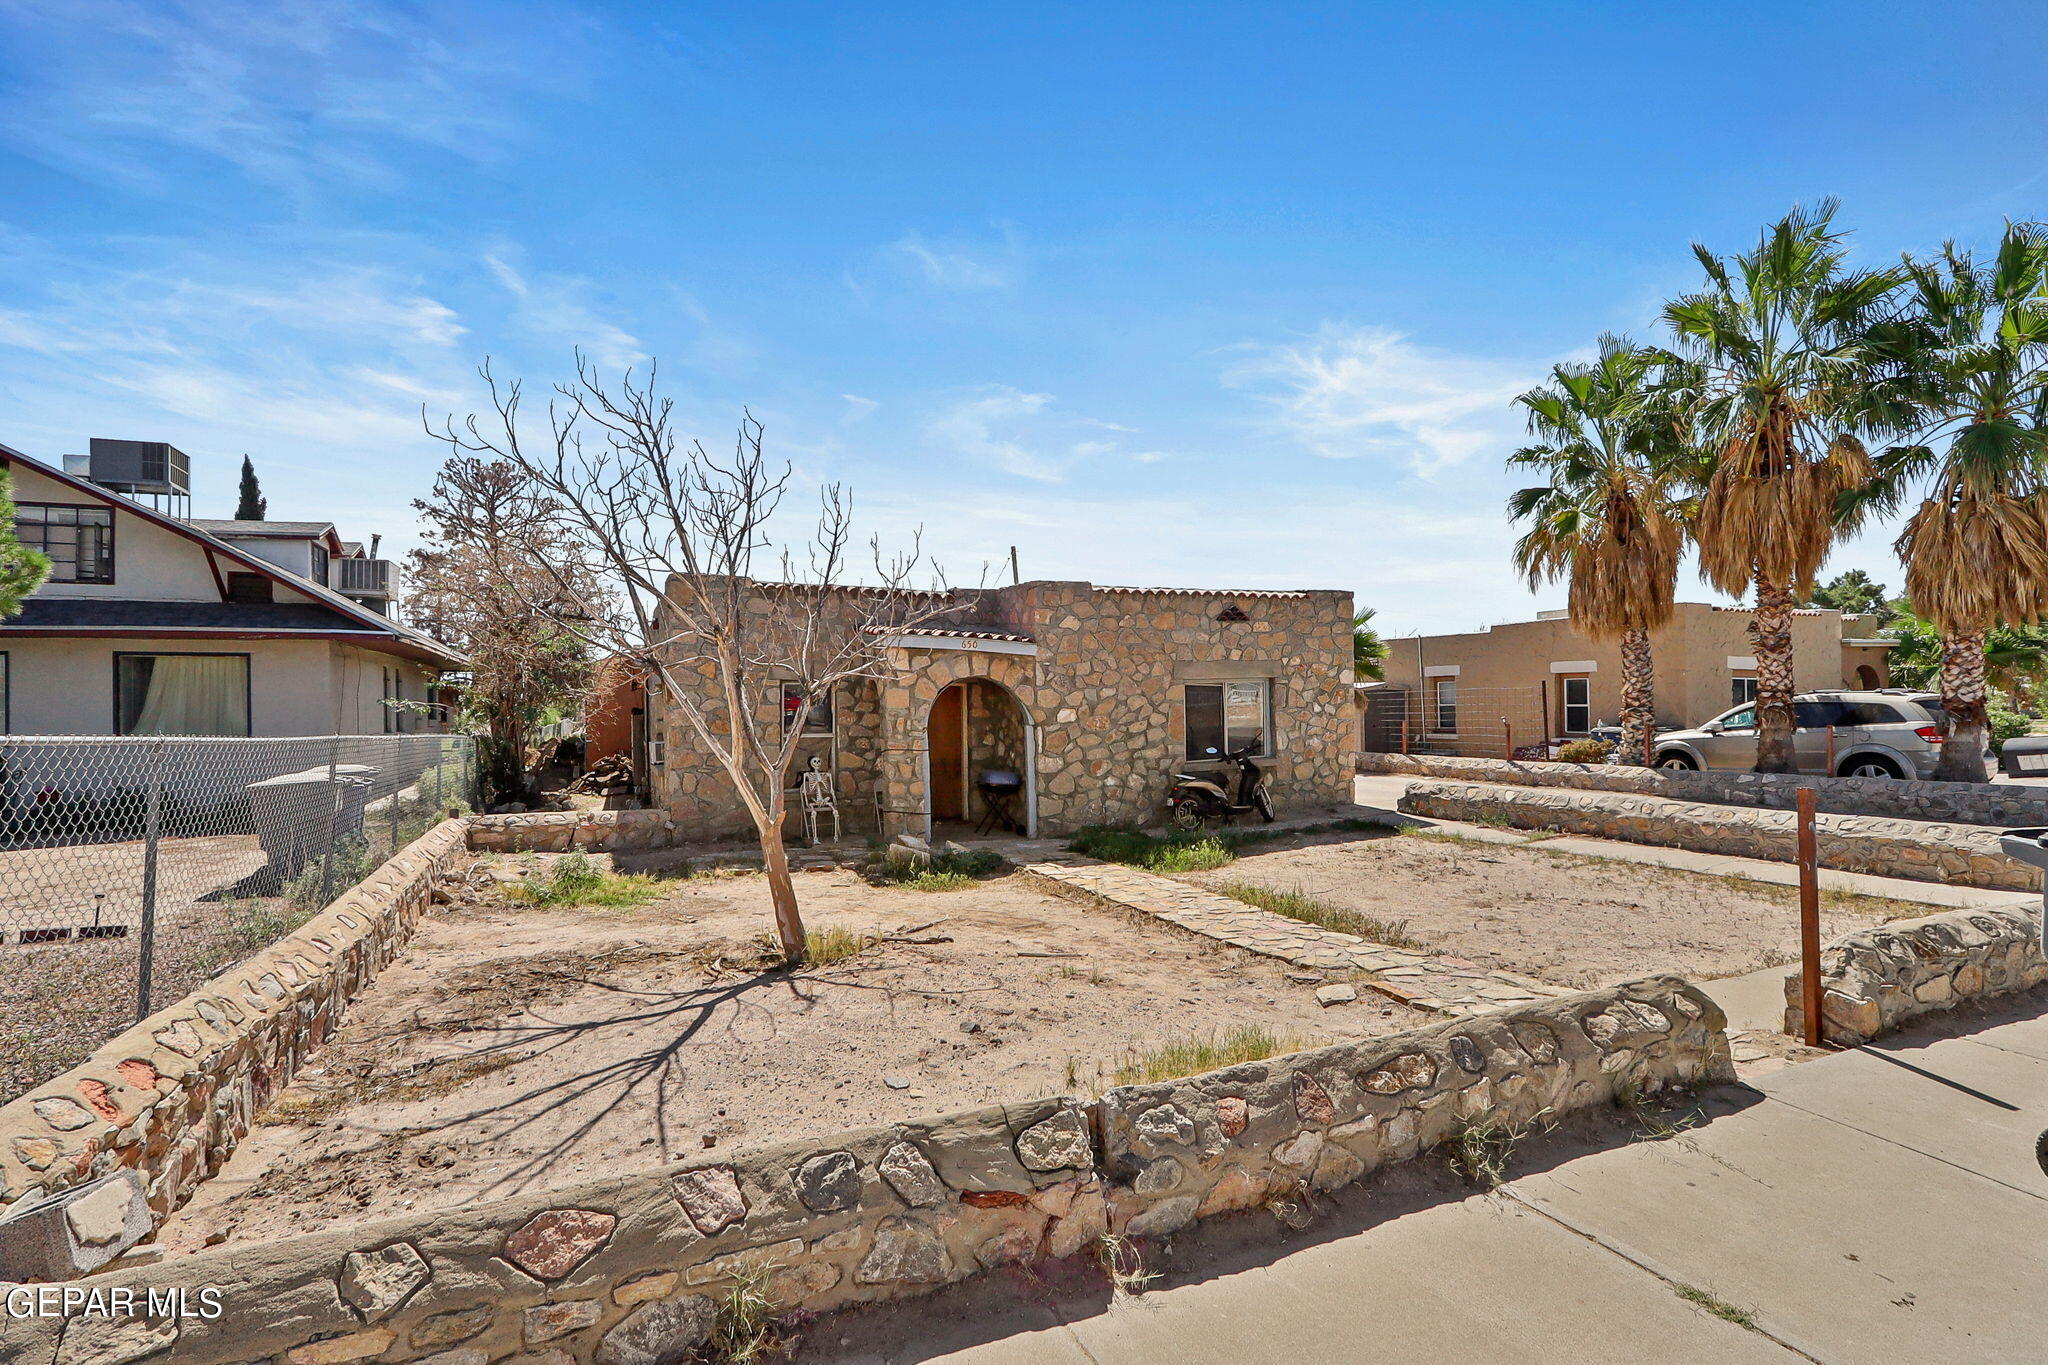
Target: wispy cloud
1022,433
555,308
1369,392
290,93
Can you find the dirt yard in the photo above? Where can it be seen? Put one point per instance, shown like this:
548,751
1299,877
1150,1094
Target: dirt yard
514,1047
1573,920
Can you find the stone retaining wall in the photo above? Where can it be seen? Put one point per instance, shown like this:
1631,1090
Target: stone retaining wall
172,1096
2001,804
629,1270
1184,1149
1875,979
1961,855
594,831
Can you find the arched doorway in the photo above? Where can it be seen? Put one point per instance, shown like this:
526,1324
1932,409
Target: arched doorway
1867,679
975,732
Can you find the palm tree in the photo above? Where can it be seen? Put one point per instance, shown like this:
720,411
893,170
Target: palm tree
1792,353
1368,650
1610,519
1976,549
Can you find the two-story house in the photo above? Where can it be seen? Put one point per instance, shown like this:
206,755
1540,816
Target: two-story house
152,623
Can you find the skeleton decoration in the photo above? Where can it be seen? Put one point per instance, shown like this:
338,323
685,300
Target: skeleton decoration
818,799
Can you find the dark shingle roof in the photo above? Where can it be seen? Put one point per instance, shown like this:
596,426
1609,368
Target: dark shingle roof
123,614
310,530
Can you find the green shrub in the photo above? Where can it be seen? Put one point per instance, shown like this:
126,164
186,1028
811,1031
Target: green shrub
2006,724
575,880
1193,1055
1585,751
944,872
1178,851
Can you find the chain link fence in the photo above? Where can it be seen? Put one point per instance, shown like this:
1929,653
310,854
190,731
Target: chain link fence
134,869
1458,722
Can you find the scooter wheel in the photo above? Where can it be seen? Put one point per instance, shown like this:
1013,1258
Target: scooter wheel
1264,804
1186,815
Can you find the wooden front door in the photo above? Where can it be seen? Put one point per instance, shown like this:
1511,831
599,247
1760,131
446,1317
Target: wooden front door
946,738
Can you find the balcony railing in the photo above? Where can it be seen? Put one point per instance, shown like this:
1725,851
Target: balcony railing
364,577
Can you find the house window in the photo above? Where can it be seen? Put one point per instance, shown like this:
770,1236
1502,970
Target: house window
249,587
388,701
1443,697
657,750
1225,717
1741,691
181,694
319,563
1578,705
818,722
78,540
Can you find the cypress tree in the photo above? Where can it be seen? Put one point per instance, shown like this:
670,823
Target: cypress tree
253,504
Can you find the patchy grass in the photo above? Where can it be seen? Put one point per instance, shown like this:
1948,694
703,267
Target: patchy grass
945,871
1481,1149
1179,851
743,1329
824,947
1718,1306
1298,904
1123,1263
575,880
1190,1056
1656,1118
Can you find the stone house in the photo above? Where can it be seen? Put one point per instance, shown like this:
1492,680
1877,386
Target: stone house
1092,696
1549,682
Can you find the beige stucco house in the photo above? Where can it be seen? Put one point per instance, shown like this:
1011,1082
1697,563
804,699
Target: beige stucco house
1549,682
1092,696
156,624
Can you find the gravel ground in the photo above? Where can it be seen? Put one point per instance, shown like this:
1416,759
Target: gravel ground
512,1048
1564,918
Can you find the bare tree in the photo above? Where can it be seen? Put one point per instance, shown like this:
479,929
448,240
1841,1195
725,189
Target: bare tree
681,535
488,583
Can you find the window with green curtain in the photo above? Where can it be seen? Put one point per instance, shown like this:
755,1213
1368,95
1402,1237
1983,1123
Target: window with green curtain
181,694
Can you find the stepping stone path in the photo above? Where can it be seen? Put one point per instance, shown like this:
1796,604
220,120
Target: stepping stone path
1445,985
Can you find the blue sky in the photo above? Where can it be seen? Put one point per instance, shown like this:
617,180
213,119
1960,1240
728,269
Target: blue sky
1177,294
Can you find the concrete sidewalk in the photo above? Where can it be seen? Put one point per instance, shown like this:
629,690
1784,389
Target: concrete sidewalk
1876,1205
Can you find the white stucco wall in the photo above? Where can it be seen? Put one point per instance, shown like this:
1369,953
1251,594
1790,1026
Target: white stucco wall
296,687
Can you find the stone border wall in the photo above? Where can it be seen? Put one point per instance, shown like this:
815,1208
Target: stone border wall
1874,980
1185,1149
593,831
1969,803
172,1096
1960,855
628,1270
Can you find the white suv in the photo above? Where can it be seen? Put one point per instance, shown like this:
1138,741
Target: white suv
1891,733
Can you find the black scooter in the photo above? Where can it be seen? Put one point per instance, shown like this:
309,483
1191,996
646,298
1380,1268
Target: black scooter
1196,801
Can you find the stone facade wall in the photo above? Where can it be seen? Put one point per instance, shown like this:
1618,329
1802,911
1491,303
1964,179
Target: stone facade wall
593,831
1233,1139
628,1270
1962,855
2001,804
1875,979
1103,693
172,1096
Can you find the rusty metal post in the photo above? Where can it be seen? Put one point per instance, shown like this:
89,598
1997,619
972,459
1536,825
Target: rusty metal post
1809,917
1831,751
1404,729
1650,742
1507,739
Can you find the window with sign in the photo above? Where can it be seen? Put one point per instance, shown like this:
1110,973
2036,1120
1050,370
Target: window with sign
818,722
1225,717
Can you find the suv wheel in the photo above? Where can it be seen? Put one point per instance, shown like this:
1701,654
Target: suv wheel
1676,761
1870,765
